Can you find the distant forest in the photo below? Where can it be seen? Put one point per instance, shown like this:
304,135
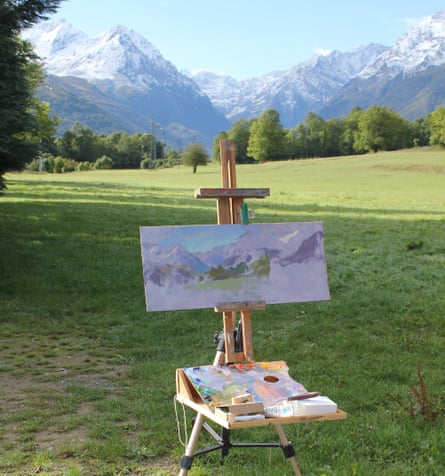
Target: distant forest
262,139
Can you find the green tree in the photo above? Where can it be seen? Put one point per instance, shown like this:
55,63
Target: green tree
316,135
128,153
350,128
333,136
297,145
240,134
80,144
20,73
46,130
215,147
195,155
267,137
421,132
436,122
380,128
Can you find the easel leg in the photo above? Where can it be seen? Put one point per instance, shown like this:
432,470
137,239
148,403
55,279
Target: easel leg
288,449
187,458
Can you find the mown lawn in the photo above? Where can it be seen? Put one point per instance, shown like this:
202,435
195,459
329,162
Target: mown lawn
87,377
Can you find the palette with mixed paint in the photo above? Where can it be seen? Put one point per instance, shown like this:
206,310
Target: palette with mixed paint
267,382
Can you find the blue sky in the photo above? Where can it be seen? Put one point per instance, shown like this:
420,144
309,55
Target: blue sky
200,238
249,38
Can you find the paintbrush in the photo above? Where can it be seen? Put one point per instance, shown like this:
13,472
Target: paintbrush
303,396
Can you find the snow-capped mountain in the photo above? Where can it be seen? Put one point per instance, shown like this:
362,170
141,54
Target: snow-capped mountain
55,40
421,47
120,55
124,67
293,92
408,77
332,84
119,80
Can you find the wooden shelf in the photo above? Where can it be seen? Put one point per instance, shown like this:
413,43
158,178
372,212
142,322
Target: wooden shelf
210,414
232,192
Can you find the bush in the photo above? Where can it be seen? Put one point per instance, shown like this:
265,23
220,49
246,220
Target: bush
45,163
69,165
58,165
82,166
51,164
34,166
146,163
104,162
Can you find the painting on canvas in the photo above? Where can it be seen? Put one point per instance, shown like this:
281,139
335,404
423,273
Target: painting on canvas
201,266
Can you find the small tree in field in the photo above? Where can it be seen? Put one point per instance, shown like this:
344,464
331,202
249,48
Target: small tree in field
195,155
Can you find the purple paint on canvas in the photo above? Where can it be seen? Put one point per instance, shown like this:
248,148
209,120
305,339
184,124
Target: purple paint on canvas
191,267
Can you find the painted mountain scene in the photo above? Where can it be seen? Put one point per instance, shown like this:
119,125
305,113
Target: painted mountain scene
191,267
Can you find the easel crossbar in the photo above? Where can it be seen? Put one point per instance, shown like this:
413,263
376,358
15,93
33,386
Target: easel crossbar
231,193
241,306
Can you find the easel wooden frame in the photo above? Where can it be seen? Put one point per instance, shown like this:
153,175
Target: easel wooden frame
230,211
229,202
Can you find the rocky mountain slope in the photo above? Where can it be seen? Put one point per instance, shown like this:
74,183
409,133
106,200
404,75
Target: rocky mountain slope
120,78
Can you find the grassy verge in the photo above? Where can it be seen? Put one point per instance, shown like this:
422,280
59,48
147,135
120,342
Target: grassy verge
87,377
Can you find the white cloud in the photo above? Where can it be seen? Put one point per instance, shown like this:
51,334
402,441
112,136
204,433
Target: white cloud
411,21
322,51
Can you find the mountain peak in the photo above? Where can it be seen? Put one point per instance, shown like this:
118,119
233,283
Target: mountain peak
414,51
54,38
119,53
126,36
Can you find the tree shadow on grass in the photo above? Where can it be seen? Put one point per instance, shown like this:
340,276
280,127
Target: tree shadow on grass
70,269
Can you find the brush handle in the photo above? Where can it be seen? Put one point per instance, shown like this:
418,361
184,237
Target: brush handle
304,396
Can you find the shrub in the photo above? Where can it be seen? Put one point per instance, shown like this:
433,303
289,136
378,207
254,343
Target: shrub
69,165
104,162
45,163
146,163
82,166
58,165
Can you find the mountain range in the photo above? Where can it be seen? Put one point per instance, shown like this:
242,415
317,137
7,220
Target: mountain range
120,81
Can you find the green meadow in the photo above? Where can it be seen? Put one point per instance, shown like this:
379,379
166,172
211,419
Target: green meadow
87,376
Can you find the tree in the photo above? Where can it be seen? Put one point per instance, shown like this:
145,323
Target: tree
436,122
20,73
380,128
195,155
240,134
80,144
316,134
46,130
215,147
267,137
421,132
350,128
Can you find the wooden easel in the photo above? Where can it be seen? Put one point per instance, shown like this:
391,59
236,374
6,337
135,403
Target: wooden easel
231,210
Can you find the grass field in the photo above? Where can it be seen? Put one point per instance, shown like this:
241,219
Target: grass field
87,377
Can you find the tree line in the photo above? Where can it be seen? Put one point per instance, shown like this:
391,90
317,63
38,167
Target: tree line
257,140
377,128
79,148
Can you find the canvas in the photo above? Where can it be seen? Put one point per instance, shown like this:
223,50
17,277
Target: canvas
201,266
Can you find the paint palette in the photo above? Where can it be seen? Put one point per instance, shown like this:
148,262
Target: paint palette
267,382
